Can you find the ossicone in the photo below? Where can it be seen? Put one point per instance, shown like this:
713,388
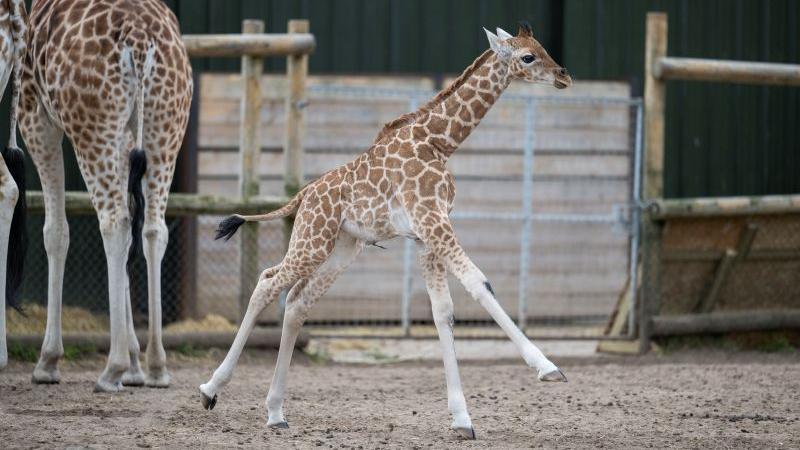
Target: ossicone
525,29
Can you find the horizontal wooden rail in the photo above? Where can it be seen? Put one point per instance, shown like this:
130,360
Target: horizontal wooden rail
726,322
261,338
694,69
178,204
725,206
259,45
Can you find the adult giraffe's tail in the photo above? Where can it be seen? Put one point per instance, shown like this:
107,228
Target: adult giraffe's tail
15,158
137,157
228,227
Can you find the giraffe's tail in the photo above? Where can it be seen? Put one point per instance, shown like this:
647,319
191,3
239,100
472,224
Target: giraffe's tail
228,227
15,160
137,157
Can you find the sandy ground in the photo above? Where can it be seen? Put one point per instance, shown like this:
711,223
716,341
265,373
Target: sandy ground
688,400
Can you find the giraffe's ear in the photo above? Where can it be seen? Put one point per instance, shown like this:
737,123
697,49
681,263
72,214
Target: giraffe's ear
503,34
525,29
499,46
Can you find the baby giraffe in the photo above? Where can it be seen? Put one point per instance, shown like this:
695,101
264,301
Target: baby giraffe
399,187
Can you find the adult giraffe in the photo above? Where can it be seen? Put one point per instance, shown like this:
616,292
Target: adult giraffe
399,187
12,169
113,75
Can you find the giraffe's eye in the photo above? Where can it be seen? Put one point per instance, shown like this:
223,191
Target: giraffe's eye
527,59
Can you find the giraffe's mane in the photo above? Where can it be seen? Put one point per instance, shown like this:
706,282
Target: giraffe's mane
409,118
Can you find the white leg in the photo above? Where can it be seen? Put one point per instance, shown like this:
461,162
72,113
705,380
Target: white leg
298,303
435,274
155,237
56,243
134,375
116,241
8,199
442,241
479,288
266,292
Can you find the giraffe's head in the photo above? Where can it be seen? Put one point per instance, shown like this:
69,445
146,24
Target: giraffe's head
526,58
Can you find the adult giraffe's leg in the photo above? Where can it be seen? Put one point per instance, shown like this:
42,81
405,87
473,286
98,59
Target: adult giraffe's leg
299,301
8,200
108,186
266,291
155,237
162,135
435,274
441,239
43,140
134,376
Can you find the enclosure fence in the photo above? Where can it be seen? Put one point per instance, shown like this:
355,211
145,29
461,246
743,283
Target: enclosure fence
548,204
712,265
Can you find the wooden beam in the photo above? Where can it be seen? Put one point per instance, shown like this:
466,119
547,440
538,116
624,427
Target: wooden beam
261,338
178,204
293,151
236,45
725,206
654,92
751,72
726,322
653,176
249,151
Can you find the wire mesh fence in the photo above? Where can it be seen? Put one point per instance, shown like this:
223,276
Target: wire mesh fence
545,187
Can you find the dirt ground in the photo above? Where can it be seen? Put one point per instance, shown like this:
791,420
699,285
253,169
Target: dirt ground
688,400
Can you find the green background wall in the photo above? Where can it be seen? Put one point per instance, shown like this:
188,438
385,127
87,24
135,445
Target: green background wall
721,139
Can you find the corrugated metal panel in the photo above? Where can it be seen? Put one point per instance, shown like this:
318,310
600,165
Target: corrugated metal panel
721,139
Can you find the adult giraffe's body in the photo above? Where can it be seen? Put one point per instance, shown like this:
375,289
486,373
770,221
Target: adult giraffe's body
399,187
114,77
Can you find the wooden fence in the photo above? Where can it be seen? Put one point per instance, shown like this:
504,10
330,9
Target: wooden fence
659,248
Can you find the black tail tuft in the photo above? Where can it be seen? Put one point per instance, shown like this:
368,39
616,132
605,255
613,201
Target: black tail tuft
138,162
227,228
18,237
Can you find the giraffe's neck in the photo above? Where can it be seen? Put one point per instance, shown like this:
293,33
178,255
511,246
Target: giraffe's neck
457,110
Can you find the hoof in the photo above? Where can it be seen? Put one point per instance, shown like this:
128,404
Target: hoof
208,403
555,375
283,424
466,433
104,386
160,380
133,378
46,377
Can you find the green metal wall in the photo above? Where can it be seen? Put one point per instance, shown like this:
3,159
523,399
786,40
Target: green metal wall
720,139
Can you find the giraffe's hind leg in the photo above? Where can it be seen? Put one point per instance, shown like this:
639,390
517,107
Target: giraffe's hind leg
266,291
313,239
162,135
43,140
298,303
8,199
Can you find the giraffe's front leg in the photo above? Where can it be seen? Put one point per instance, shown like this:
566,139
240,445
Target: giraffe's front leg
435,275
441,239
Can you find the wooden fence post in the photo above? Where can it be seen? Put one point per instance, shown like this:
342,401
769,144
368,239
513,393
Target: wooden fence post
293,151
654,90
249,149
